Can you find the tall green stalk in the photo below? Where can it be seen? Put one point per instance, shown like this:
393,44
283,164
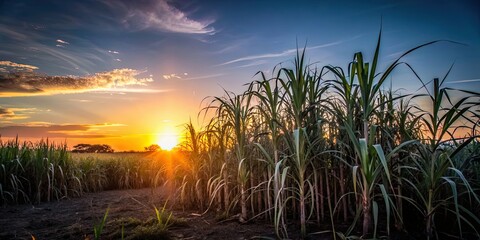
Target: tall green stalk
297,84
434,170
369,87
237,111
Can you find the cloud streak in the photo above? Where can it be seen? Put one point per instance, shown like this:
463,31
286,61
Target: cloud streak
9,114
132,90
17,66
46,130
62,41
278,54
205,76
83,57
465,81
284,53
27,83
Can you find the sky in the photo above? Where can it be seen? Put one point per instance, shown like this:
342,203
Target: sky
131,73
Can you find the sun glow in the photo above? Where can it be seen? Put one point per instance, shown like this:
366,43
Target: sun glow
167,141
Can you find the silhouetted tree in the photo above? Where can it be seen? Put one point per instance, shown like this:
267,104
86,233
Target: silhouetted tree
92,148
153,148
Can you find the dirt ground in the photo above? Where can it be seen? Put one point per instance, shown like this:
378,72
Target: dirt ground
74,218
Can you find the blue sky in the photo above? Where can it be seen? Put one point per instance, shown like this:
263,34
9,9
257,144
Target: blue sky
108,71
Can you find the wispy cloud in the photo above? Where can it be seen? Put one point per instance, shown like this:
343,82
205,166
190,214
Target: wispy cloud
171,76
113,51
204,76
13,84
233,44
13,34
18,66
106,125
161,15
62,41
81,100
132,90
23,42
464,81
47,130
11,114
253,64
277,54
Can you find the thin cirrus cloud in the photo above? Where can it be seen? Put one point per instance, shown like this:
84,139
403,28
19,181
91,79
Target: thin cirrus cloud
276,55
210,76
29,83
161,15
81,100
62,41
41,130
132,90
186,76
465,81
83,57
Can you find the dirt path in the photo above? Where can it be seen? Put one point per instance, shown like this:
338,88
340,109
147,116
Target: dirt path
74,218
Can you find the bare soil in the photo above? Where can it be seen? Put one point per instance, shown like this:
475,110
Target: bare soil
75,218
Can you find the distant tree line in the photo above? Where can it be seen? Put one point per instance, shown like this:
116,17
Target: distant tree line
105,148
92,148
153,148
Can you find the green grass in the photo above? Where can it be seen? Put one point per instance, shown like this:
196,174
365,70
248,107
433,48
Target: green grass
34,172
155,227
45,171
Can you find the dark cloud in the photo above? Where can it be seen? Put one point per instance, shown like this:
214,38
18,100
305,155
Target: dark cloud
13,113
42,130
5,111
27,83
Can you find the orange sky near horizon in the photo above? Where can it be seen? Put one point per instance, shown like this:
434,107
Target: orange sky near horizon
132,129
120,142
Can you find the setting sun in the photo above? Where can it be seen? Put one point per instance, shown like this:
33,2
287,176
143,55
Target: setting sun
167,141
